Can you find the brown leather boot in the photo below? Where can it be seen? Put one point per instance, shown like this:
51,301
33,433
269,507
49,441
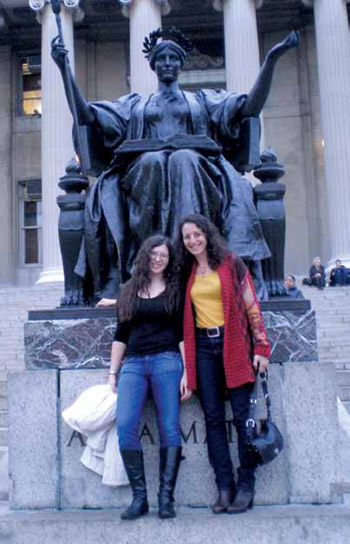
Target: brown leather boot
224,500
243,501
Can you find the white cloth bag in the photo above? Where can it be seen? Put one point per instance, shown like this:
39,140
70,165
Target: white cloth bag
93,415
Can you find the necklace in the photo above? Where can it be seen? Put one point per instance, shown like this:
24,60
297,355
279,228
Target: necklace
203,269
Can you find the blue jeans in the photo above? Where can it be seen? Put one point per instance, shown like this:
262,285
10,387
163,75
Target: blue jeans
211,386
162,372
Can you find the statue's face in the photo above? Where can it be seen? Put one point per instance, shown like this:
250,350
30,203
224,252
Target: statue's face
167,65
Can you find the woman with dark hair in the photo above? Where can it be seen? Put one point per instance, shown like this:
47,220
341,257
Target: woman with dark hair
290,283
317,274
149,331
225,344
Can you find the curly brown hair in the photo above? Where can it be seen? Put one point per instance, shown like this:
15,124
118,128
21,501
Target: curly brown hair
141,278
216,245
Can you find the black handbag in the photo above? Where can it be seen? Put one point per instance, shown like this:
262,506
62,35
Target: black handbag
268,443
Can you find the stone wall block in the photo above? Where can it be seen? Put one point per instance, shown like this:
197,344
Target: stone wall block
196,485
33,448
311,416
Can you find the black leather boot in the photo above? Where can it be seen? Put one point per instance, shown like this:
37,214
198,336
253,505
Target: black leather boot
133,463
245,492
225,498
169,463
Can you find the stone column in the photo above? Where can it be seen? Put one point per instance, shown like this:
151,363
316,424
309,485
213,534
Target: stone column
242,56
333,52
56,131
145,16
241,42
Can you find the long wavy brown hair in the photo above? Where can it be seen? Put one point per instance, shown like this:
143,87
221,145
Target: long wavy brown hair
141,279
216,245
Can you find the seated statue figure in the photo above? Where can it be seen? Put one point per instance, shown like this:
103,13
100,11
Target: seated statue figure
167,155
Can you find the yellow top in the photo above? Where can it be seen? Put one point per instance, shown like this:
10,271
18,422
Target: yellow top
207,300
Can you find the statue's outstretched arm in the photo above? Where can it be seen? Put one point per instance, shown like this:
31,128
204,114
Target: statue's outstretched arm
260,91
59,55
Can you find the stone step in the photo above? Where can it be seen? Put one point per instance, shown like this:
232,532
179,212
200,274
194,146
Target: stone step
3,436
3,418
343,341
3,403
340,330
346,404
296,524
3,388
4,477
344,393
343,378
328,311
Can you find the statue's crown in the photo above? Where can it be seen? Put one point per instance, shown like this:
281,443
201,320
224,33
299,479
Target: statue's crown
173,34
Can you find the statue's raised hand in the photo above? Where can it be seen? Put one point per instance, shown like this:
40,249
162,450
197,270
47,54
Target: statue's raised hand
291,41
58,52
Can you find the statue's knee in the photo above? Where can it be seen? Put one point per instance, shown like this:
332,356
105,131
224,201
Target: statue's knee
182,157
152,158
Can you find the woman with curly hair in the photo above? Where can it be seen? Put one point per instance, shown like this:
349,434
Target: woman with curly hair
225,342
149,331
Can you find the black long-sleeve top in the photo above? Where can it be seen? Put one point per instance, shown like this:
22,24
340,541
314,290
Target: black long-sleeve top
152,329
315,270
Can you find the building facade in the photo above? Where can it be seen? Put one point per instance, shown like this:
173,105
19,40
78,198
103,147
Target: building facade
305,119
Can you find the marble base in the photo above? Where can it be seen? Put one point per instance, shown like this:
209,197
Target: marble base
81,338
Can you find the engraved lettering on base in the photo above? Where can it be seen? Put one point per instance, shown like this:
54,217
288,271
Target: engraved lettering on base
192,431
80,437
147,433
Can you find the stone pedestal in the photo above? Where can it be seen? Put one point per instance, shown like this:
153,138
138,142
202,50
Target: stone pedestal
66,351
44,452
82,337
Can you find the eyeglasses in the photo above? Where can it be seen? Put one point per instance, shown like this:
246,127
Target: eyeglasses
161,256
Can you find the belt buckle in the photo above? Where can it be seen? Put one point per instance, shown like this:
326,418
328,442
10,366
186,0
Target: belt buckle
213,332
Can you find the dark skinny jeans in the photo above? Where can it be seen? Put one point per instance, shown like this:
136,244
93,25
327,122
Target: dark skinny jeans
211,386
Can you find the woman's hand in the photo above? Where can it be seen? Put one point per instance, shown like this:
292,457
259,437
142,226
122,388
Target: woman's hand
260,363
112,381
185,393
106,302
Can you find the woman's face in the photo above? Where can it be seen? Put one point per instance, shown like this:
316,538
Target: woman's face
159,259
167,65
317,261
289,282
194,239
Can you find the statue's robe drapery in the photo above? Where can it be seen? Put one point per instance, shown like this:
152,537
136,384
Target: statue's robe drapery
147,189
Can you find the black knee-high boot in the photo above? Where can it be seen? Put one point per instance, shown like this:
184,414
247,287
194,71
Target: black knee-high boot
134,466
169,462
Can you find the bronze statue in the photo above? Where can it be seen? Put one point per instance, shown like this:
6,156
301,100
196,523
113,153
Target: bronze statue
167,155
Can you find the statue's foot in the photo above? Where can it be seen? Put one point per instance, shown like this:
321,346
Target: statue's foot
73,297
276,288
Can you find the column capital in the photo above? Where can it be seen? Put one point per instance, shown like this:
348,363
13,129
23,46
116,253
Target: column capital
164,5
39,6
218,5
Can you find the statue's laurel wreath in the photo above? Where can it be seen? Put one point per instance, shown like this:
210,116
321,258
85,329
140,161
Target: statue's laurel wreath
173,34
